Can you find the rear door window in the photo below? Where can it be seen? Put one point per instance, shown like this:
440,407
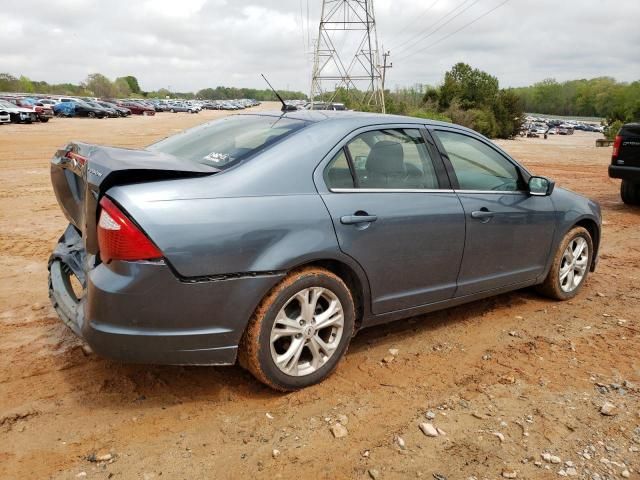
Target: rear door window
392,159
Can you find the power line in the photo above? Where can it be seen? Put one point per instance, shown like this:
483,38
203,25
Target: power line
414,20
304,35
428,31
455,31
308,28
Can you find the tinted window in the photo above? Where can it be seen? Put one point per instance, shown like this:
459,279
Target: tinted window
392,158
224,142
478,166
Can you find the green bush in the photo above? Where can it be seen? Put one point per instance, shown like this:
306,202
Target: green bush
613,129
484,122
430,115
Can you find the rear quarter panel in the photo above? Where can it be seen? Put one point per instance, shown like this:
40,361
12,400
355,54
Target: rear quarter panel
262,215
214,236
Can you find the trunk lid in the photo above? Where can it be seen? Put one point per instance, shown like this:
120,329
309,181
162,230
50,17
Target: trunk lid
81,173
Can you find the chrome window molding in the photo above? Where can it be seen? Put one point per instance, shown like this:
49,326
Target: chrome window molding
390,190
501,192
425,190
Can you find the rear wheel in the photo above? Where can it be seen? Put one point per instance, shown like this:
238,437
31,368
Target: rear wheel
300,330
630,192
570,266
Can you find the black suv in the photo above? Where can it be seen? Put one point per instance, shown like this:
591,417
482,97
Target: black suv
625,162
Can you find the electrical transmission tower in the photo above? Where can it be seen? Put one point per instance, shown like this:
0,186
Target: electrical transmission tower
346,54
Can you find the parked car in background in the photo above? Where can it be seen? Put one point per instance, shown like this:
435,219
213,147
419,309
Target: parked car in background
325,106
272,238
5,116
122,111
625,162
181,107
48,101
65,99
18,114
79,108
160,106
64,109
137,108
111,112
42,112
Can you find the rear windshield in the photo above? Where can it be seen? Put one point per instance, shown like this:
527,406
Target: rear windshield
229,140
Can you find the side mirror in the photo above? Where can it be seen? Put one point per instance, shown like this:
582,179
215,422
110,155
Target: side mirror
541,186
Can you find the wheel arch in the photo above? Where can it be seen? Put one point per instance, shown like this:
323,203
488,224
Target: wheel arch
352,276
594,230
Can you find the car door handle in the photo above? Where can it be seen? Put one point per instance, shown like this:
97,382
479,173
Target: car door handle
355,219
482,214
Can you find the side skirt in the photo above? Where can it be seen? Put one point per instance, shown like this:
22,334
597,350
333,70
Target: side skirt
433,307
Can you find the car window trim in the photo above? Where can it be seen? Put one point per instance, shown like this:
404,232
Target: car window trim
352,167
325,170
391,190
438,163
496,192
452,174
434,157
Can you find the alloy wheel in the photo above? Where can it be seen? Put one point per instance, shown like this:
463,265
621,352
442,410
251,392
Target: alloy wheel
574,264
307,331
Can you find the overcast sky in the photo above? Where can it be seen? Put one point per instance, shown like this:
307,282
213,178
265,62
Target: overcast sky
191,44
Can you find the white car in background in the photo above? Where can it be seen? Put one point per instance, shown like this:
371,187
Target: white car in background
17,114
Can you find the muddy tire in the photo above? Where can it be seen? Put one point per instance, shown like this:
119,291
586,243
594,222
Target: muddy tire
570,266
300,331
630,192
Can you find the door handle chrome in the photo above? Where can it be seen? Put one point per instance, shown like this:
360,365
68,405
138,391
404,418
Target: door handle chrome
480,214
355,219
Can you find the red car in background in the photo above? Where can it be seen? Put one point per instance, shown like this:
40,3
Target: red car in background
43,112
137,108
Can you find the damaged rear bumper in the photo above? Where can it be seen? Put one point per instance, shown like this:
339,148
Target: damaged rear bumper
141,312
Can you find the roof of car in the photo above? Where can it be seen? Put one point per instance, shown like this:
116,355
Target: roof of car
353,119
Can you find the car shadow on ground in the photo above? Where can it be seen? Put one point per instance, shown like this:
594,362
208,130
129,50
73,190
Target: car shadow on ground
109,384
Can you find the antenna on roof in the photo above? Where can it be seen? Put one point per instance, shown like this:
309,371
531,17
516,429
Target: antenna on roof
285,107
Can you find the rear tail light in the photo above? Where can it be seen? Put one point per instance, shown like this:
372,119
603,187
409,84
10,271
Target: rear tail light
76,158
616,147
121,239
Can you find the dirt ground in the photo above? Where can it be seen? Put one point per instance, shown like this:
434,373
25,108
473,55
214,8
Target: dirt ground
508,379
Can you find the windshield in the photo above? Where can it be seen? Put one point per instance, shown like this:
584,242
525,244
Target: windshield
227,141
6,104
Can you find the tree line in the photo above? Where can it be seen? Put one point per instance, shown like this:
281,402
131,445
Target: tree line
469,97
602,97
98,85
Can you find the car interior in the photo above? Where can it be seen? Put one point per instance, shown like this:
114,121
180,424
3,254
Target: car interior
385,159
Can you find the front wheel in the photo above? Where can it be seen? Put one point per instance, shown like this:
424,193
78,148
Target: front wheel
91,115
570,266
300,330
